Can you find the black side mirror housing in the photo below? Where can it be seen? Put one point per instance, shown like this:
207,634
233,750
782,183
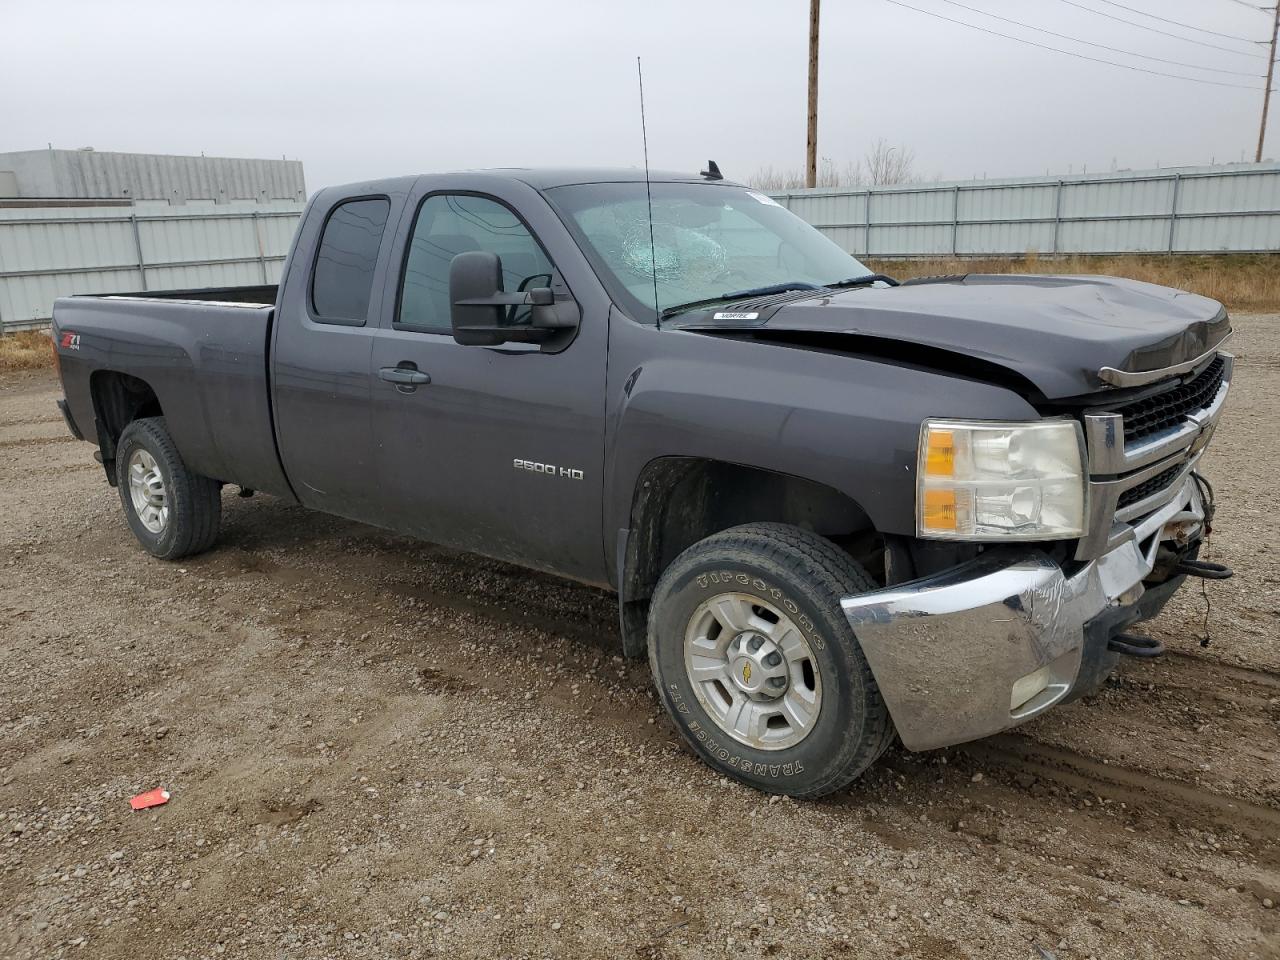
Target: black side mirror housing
475,276
478,306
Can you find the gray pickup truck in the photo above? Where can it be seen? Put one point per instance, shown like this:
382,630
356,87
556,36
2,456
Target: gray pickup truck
834,508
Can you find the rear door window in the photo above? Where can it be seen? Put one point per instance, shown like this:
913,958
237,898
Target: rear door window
343,279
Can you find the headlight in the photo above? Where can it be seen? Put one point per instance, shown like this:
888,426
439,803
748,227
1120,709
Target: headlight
978,480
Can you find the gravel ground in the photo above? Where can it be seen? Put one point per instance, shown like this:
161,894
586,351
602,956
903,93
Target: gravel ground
379,748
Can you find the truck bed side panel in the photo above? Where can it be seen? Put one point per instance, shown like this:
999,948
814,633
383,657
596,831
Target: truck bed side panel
206,363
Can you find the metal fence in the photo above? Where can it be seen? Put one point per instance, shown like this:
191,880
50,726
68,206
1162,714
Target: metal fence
51,250
1190,210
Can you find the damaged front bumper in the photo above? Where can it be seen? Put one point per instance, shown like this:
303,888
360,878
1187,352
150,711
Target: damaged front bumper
993,642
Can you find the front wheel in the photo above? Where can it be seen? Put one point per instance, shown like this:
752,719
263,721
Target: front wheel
757,666
171,510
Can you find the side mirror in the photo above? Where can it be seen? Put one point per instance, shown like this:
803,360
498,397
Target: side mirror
475,277
478,305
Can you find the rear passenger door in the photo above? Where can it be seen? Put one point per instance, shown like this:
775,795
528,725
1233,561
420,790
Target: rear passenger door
502,450
323,342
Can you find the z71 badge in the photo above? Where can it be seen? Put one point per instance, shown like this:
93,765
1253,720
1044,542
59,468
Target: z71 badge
70,341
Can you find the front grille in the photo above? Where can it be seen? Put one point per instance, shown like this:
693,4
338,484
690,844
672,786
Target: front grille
1144,418
1149,487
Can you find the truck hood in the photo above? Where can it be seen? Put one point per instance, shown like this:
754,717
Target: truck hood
1056,332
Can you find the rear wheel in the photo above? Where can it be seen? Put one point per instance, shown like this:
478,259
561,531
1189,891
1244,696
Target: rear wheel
757,666
172,511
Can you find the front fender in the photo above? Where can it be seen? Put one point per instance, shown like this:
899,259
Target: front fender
846,422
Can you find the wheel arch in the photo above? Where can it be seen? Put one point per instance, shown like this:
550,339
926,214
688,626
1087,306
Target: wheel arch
118,399
679,500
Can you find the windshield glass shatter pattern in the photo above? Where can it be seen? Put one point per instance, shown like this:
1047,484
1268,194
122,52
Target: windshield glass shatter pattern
708,240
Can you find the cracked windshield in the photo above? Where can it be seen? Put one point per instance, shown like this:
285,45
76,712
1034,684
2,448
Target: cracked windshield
709,242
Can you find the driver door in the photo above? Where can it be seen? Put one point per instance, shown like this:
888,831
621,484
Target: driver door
496,449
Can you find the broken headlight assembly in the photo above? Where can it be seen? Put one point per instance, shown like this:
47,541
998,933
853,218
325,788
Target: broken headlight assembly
978,480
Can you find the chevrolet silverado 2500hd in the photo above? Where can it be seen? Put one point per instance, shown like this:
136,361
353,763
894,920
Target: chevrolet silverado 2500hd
834,508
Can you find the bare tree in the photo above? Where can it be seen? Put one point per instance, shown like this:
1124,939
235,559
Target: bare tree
887,165
829,176
772,180
882,166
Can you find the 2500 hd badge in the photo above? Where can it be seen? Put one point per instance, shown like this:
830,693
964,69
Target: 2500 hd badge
550,469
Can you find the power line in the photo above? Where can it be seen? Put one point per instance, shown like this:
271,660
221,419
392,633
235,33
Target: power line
1102,46
1163,33
1179,23
1080,56
1251,6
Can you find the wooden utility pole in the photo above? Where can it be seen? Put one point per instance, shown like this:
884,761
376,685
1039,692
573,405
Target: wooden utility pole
1266,96
811,146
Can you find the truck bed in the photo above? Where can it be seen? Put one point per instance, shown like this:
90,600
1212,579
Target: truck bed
204,355
259,294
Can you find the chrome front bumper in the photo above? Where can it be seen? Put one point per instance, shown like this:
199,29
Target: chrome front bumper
996,641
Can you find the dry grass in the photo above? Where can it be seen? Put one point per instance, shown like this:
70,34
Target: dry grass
25,350
1243,282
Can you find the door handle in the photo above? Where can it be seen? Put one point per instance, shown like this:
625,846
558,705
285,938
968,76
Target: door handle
404,376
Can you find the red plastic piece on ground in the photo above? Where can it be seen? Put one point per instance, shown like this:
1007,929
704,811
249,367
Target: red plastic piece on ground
152,798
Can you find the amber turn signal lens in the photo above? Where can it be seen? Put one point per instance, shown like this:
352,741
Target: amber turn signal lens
940,460
939,509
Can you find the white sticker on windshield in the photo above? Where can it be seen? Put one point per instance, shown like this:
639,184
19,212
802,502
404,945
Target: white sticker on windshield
736,316
763,199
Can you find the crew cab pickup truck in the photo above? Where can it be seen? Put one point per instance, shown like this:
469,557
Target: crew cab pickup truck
835,509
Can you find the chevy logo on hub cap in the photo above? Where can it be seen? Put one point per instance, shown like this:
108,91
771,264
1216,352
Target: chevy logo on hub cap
746,673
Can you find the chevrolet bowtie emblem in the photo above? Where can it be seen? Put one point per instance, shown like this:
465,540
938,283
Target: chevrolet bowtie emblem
746,673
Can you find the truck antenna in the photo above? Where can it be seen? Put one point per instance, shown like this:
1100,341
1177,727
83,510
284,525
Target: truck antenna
648,195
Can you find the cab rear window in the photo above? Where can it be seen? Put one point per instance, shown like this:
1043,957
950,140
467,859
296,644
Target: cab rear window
343,278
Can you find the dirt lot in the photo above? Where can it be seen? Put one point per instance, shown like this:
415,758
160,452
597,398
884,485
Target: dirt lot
377,748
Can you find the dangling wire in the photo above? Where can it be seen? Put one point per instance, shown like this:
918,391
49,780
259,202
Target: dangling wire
1206,496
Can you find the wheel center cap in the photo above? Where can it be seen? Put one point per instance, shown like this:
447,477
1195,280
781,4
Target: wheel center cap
756,666
747,675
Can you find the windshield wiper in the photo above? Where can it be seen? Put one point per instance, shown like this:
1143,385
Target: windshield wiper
863,281
771,288
740,295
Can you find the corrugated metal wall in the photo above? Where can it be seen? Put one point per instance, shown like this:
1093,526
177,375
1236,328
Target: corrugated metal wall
54,251
1190,210
93,174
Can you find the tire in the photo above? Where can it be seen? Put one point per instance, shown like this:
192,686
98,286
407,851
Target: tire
771,570
180,516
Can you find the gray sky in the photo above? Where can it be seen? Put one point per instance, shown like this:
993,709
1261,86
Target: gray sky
359,90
